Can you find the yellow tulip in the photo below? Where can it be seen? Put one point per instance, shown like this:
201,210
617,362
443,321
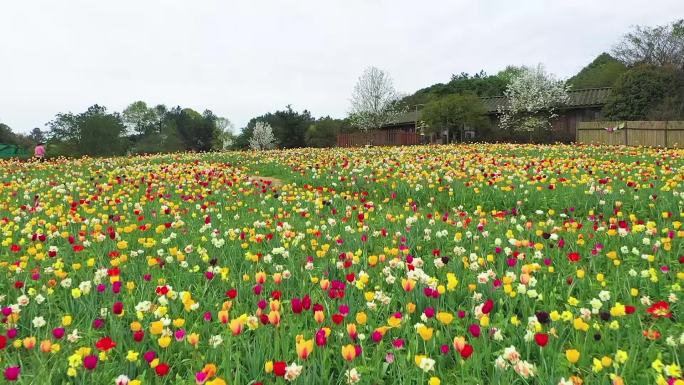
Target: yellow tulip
573,355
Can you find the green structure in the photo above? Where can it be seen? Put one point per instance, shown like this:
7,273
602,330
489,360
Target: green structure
12,151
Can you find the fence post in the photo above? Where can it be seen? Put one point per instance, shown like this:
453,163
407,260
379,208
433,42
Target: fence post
667,124
626,137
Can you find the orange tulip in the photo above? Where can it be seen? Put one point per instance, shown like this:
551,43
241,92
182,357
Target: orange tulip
408,284
46,346
274,318
304,347
348,352
236,326
319,316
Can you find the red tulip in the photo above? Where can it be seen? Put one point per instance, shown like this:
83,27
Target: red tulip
466,351
138,335
488,306
279,368
660,309
541,339
306,302
105,344
297,306
162,369
474,330
574,257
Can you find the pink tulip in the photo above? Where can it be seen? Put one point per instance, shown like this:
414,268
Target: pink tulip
474,330
12,373
90,362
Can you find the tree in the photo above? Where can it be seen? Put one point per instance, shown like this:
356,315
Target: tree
224,137
140,119
289,128
241,140
94,132
323,133
647,92
37,135
455,113
374,102
101,132
262,137
9,137
532,99
481,84
662,45
6,134
602,72
160,112
197,131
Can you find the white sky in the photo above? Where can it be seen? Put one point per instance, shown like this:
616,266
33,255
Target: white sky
243,58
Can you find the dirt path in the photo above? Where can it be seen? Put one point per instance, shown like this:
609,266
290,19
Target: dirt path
274,182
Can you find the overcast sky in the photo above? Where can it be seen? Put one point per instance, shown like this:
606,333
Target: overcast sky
245,58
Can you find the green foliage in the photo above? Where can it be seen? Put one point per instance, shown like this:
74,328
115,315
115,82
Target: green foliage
165,142
241,141
323,133
455,112
289,128
155,129
7,136
602,72
196,131
480,84
662,45
37,135
141,119
101,133
94,132
645,92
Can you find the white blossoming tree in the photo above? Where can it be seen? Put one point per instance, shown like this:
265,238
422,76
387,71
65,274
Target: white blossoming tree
374,102
533,97
262,137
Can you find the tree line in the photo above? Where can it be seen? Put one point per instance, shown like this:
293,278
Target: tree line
143,129
645,70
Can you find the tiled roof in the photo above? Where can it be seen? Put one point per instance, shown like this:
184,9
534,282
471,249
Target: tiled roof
407,117
587,97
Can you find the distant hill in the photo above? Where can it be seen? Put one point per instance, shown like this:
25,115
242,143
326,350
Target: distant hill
480,84
602,72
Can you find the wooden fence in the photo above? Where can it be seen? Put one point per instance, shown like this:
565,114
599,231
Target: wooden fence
633,133
378,138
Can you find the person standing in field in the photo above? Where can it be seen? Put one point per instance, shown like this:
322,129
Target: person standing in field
39,151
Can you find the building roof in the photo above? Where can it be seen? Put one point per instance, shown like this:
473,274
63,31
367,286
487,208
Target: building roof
409,116
586,97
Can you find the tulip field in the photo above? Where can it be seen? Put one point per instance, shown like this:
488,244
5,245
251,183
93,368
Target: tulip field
461,264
